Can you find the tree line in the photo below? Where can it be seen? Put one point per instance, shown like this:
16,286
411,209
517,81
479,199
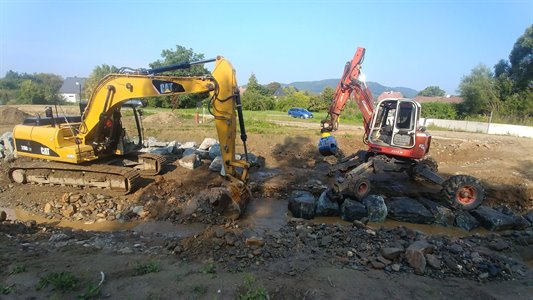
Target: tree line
23,88
506,92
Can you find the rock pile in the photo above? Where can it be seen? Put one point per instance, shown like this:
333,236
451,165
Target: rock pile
361,247
7,146
304,204
89,208
300,244
190,155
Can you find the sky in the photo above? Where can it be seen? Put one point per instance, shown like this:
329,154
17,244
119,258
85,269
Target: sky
409,43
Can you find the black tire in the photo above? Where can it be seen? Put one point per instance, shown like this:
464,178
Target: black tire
426,162
463,192
360,188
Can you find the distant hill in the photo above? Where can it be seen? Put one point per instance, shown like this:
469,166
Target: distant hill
376,88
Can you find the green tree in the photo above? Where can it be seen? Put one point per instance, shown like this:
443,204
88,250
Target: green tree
37,88
293,98
49,84
432,91
256,96
253,85
252,100
323,100
30,93
502,68
179,55
521,59
479,92
517,108
97,74
439,110
273,87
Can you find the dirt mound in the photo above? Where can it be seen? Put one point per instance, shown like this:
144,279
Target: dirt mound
11,115
162,118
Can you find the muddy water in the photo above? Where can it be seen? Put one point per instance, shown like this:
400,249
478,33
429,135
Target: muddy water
262,215
425,228
161,227
265,215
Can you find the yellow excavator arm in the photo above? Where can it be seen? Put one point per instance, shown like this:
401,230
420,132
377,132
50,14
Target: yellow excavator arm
94,137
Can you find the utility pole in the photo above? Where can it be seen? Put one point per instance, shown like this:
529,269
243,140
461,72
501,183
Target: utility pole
78,83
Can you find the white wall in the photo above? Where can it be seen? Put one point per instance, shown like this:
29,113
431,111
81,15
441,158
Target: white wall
72,98
481,127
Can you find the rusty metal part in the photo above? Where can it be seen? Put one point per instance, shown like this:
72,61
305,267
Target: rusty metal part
95,176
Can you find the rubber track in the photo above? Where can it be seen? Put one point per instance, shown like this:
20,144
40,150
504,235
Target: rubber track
161,160
131,176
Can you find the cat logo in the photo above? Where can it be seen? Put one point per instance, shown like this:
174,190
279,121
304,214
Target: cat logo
167,87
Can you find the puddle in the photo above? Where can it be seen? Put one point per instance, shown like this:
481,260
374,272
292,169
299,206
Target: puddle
425,228
262,215
265,214
21,215
160,227
169,229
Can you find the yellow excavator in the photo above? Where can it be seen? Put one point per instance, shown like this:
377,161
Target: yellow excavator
92,150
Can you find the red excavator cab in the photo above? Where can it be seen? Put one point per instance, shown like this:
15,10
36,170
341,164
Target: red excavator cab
395,129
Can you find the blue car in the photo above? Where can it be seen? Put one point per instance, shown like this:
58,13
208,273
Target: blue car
298,112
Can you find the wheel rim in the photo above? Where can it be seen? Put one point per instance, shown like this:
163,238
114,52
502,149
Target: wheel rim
466,195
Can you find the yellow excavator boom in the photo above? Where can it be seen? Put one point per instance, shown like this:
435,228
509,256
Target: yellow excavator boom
99,132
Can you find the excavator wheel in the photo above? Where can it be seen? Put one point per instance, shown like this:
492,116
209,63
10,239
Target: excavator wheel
463,192
426,162
360,188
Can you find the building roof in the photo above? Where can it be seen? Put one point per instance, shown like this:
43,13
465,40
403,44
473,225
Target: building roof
70,87
447,99
390,94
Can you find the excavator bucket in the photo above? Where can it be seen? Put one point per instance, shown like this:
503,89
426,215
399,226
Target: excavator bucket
327,145
230,201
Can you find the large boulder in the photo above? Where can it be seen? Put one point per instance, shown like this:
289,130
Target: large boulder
326,206
189,145
302,204
254,160
492,219
376,208
465,220
190,162
529,216
152,142
408,210
7,140
188,151
203,154
207,143
158,150
415,255
214,151
443,215
217,164
352,210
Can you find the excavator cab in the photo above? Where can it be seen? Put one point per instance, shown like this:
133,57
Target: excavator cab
394,123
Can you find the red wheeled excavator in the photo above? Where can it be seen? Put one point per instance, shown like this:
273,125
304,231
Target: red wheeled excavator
396,142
